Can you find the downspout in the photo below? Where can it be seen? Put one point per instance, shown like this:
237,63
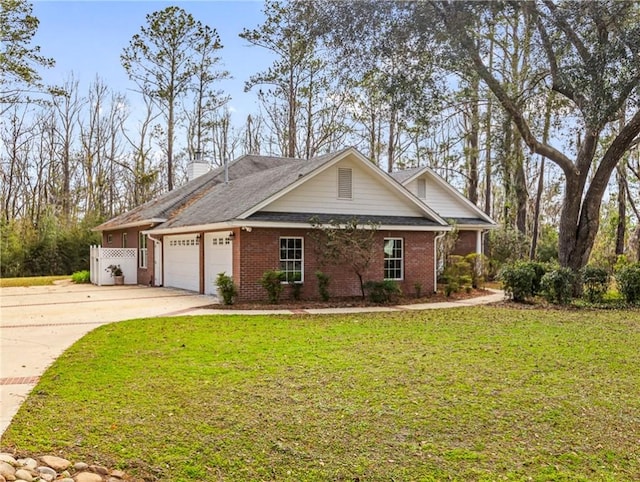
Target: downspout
155,241
435,259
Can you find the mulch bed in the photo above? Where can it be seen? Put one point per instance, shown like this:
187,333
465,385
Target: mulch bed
347,302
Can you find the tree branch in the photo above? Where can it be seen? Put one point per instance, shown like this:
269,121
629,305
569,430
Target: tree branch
449,15
568,31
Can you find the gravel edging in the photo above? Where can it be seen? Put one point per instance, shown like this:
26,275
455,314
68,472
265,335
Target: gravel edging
50,468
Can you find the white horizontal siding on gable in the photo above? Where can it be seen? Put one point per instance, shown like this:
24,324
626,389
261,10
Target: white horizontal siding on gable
438,198
370,195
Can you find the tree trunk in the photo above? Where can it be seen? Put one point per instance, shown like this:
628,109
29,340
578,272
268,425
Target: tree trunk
473,142
621,228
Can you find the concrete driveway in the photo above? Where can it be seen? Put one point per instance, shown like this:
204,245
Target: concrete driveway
37,324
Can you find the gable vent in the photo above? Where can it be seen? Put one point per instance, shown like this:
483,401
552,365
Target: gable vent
345,183
422,189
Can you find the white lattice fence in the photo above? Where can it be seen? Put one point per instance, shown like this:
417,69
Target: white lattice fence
101,258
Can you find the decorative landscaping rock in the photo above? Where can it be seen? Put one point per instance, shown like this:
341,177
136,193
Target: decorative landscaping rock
56,463
23,474
55,469
99,469
47,471
7,471
88,477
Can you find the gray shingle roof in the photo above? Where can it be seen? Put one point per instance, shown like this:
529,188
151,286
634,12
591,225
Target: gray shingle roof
252,181
228,201
404,174
172,202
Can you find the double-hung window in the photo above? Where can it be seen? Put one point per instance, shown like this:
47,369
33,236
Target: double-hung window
292,259
142,247
393,258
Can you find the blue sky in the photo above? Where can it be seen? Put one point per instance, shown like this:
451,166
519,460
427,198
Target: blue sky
87,38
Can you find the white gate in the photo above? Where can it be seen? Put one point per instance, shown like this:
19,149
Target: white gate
102,258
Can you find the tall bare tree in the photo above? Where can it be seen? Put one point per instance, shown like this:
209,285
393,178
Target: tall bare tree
163,60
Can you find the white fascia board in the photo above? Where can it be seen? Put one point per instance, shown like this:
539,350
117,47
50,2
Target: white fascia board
143,222
292,225
192,229
475,227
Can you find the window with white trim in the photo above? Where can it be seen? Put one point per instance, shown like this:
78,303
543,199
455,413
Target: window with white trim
345,183
109,238
292,259
393,258
124,240
142,248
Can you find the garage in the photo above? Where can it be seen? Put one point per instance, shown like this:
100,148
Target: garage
182,261
218,258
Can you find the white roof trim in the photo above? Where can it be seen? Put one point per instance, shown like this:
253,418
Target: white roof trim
133,224
192,229
242,223
439,179
337,158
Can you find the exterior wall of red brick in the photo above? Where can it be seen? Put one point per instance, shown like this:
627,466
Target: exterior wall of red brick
259,250
466,243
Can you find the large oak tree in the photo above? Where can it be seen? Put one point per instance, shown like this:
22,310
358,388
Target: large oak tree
588,53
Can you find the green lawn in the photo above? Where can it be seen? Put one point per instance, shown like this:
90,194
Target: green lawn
30,281
468,394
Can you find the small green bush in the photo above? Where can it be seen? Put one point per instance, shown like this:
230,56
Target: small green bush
81,277
272,281
323,285
382,292
557,286
521,280
227,288
479,272
296,290
417,286
628,280
457,274
595,282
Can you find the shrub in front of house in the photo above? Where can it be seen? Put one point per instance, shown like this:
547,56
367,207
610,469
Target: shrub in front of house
479,271
521,280
382,292
628,280
296,290
323,285
457,274
272,281
595,281
557,285
83,276
227,288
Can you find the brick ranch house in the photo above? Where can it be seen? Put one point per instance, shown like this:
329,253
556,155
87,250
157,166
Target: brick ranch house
256,216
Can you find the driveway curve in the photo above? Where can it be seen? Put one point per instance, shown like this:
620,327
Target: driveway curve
38,323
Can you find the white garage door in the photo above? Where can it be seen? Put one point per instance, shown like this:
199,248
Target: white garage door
182,262
218,258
